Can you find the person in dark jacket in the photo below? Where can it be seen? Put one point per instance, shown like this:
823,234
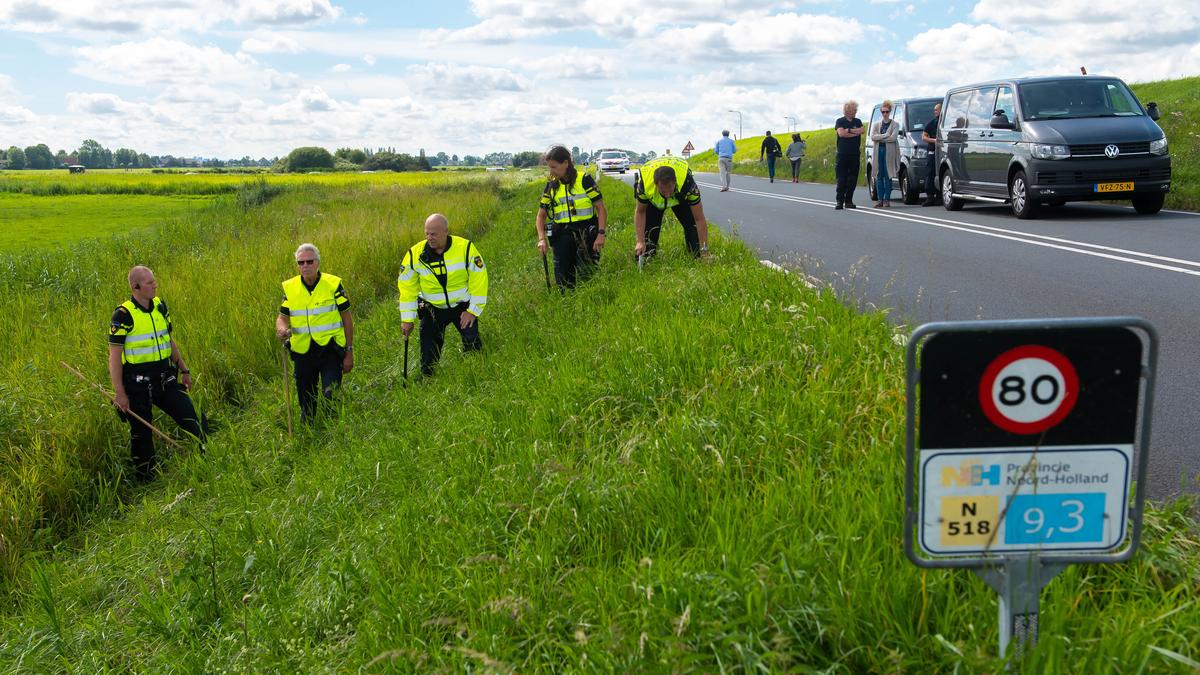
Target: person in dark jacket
772,151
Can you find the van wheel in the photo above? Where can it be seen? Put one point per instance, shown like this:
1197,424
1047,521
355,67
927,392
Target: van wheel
1018,191
909,195
949,201
871,185
1148,205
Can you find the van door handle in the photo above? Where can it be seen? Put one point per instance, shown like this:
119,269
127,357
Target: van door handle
991,135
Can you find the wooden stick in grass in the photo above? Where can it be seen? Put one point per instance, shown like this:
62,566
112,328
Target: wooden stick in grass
113,400
287,392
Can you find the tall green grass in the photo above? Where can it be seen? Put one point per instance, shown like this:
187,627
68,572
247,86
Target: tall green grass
696,467
219,270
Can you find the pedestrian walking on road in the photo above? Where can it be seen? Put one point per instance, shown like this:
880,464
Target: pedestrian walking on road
929,135
770,148
795,153
661,184
147,369
570,219
316,324
848,129
884,133
442,281
725,150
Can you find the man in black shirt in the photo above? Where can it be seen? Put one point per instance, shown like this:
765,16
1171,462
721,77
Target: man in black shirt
929,135
770,148
849,128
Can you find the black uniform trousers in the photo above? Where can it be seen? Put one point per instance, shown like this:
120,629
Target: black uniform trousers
434,321
846,168
654,218
148,387
932,189
574,257
319,367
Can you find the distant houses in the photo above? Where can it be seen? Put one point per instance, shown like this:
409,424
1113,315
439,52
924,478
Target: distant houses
76,168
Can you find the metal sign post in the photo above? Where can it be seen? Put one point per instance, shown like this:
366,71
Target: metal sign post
1022,441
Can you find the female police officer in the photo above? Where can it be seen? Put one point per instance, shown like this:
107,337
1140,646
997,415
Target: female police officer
574,209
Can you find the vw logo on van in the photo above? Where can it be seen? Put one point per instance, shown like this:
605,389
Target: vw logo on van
1111,151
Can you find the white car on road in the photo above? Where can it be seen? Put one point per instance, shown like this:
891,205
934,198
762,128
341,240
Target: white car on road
613,160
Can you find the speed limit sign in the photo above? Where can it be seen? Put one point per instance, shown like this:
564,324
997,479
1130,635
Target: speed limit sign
1028,389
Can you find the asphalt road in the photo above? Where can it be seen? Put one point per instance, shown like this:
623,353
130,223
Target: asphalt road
927,264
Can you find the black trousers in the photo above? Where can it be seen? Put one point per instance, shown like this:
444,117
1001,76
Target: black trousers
683,212
932,189
796,168
319,367
434,321
148,388
846,168
574,258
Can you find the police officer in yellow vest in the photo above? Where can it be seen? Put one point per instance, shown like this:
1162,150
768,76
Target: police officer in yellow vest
315,319
146,369
664,183
442,280
574,208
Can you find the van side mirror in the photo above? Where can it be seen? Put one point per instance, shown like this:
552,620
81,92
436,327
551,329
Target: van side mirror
1001,121
1152,111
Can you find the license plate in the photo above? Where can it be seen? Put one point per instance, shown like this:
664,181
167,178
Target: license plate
1114,187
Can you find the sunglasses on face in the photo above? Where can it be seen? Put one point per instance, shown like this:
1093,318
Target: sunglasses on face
886,110
306,262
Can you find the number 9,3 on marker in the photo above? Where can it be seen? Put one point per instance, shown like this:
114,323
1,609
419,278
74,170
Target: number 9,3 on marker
1028,389
1057,518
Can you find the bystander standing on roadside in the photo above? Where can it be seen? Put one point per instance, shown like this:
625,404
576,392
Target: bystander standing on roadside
929,135
848,129
884,133
725,150
770,148
795,153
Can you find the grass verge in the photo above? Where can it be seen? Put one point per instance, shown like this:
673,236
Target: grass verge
694,467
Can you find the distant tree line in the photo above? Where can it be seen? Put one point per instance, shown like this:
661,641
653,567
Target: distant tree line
95,156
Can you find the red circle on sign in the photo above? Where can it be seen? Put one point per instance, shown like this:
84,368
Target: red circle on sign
1057,360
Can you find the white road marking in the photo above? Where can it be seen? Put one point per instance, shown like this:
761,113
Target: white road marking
1045,241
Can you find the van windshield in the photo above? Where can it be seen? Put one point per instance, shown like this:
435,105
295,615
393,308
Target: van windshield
612,155
1061,99
920,112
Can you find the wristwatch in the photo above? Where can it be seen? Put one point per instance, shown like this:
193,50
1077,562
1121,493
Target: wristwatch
349,348
600,231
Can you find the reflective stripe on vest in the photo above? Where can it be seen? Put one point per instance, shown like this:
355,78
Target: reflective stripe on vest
150,338
650,190
572,206
314,316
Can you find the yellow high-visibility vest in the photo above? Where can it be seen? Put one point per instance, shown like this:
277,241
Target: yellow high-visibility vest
461,266
150,339
314,317
649,191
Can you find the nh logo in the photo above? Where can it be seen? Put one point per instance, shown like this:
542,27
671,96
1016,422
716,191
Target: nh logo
967,475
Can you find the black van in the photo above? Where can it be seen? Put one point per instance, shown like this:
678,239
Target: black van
1044,141
912,114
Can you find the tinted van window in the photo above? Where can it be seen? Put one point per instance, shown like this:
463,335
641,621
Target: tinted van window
956,110
979,114
919,114
1059,99
1004,103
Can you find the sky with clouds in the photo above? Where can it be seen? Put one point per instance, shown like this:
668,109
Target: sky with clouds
227,78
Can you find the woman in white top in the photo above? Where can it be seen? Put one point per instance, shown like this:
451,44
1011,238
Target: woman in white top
887,154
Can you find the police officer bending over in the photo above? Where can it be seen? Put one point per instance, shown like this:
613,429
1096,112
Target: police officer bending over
444,282
315,319
667,183
146,369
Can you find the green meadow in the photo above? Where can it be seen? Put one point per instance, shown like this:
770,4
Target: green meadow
692,467
37,222
1178,100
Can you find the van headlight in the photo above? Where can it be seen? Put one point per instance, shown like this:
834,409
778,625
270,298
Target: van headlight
921,153
1044,151
1159,147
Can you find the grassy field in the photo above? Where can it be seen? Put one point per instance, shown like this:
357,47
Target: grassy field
1179,101
692,468
39,222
